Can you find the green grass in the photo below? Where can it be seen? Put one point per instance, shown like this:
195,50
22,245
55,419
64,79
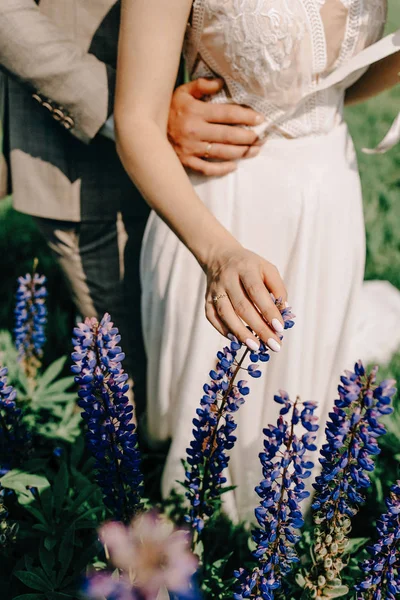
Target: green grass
380,176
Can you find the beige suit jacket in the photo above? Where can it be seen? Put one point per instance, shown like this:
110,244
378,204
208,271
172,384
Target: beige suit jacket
60,58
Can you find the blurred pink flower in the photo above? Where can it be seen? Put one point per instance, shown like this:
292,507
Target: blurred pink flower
151,552
104,585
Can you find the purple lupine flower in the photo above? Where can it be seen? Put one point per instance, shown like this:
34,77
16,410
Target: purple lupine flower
30,321
347,458
382,570
14,437
285,467
214,427
111,435
150,555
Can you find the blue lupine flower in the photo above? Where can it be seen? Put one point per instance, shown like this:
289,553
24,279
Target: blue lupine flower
347,458
111,434
285,467
382,570
14,437
30,321
214,427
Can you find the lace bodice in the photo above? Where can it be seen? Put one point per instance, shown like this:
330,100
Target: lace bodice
272,53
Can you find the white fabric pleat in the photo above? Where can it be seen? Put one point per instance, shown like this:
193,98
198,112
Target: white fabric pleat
299,205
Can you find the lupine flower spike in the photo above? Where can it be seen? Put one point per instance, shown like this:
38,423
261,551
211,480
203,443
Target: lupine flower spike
111,435
30,321
150,555
347,458
14,438
285,466
214,427
382,570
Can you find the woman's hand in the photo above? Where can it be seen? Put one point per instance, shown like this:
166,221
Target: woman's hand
239,287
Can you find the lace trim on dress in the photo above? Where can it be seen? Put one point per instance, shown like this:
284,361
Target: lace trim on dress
194,33
352,31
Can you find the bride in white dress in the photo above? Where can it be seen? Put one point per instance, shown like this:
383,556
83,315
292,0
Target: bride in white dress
297,205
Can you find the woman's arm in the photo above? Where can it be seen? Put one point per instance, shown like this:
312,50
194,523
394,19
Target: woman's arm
380,76
151,38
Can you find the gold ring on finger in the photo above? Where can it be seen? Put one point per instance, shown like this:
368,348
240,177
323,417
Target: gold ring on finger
219,297
208,150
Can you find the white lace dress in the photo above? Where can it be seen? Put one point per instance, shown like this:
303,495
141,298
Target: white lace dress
298,204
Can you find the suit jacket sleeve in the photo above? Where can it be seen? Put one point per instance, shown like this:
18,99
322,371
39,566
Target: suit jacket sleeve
72,84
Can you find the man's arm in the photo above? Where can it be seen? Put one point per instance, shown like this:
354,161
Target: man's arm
78,90
72,84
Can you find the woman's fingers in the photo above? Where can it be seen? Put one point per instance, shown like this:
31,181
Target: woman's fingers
231,322
239,301
258,293
213,318
246,308
274,281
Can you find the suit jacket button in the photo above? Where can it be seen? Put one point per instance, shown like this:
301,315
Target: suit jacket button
58,114
68,123
37,98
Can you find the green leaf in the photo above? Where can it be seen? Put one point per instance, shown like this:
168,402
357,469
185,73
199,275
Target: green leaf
40,527
38,515
30,597
47,560
58,596
50,400
65,554
355,544
19,481
62,385
33,581
60,487
50,542
82,497
50,374
77,451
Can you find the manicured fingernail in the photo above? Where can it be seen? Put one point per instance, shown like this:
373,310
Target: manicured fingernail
273,344
252,345
259,119
277,325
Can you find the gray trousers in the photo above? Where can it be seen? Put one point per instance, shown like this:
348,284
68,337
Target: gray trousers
101,263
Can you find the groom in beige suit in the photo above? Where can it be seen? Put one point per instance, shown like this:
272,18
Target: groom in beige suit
56,105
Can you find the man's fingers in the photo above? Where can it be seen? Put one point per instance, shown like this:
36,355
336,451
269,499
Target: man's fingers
226,134
225,152
204,87
231,114
211,169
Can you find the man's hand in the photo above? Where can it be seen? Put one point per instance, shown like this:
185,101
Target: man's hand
201,130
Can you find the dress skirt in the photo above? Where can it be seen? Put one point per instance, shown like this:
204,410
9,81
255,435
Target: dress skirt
299,205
